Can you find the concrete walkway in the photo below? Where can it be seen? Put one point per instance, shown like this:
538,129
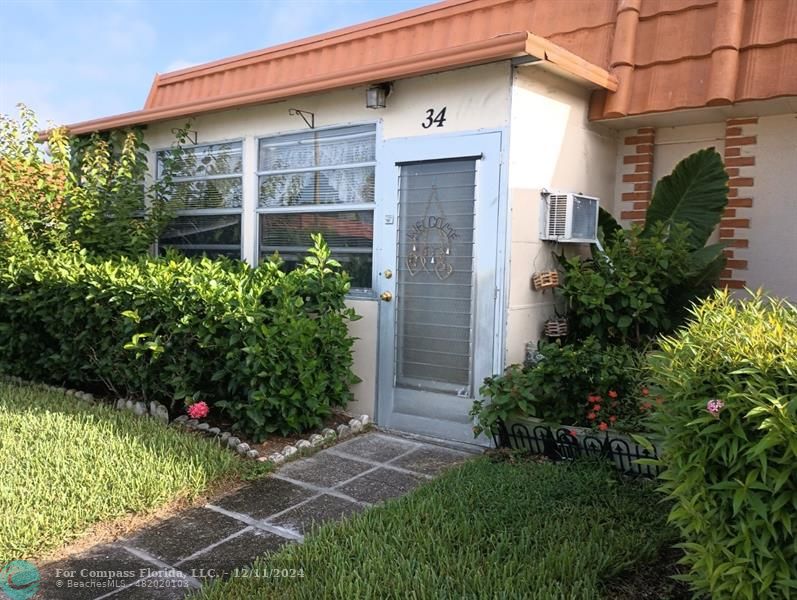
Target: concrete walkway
172,558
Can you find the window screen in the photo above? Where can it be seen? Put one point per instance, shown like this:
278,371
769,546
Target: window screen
319,182
207,193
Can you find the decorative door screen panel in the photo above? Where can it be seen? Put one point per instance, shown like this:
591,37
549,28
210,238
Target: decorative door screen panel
434,309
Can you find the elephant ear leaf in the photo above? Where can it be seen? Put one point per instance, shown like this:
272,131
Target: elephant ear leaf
607,224
695,193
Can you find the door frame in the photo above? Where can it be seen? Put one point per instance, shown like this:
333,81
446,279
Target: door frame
426,148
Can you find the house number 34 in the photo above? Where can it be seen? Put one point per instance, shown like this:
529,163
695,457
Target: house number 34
434,119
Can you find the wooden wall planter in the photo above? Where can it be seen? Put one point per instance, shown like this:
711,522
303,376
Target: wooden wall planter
556,328
545,280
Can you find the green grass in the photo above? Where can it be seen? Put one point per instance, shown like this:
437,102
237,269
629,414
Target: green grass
66,465
484,530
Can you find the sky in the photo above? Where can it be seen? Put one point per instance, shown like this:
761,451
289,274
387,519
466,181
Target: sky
73,60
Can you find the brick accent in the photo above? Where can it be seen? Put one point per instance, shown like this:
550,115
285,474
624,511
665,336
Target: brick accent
636,182
740,150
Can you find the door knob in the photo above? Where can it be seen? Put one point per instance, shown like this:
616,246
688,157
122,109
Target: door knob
386,296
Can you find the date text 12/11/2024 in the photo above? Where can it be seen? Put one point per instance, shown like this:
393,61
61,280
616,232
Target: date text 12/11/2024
250,572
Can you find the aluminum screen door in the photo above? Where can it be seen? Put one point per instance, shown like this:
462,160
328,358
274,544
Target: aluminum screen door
434,275
437,307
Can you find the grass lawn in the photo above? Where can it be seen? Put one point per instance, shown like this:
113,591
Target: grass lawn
66,465
505,529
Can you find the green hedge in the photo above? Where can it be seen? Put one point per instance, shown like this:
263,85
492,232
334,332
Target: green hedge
729,424
269,348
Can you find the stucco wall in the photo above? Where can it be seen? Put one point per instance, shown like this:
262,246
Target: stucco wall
475,98
365,352
676,143
773,221
552,146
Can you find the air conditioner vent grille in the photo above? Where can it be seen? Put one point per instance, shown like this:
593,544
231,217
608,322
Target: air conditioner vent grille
557,215
569,218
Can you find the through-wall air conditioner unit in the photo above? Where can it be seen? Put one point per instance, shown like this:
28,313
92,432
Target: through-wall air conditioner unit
569,218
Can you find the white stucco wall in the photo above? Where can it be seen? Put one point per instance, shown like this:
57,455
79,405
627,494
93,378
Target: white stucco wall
552,146
773,217
676,143
475,98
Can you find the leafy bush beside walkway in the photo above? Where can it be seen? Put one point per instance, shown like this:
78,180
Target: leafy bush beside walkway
484,530
271,348
729,427
66,465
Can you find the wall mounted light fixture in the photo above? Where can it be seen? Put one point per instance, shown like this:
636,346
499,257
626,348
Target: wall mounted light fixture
376,95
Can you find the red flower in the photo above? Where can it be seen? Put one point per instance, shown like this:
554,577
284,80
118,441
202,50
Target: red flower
613,418
647,405
198,410
591,416
593,398
603,426
573,432
596,408
645,391
612,394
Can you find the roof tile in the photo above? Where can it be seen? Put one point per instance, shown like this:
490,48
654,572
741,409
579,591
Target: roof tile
666,54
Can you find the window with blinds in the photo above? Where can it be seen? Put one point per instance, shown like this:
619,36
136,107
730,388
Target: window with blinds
319,181
207,192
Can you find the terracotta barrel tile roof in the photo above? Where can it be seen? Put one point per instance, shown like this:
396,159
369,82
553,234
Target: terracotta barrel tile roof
695,53
666,54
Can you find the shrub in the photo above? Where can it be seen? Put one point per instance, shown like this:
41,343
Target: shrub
626,295
83,192
729,426
270,348
647,277
556,388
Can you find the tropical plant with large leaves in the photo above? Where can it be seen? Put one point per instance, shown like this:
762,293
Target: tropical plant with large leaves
641,281
693,195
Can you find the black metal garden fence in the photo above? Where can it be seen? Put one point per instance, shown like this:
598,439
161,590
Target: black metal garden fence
566,443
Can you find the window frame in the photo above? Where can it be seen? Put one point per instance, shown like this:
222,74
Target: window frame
355,292
208,212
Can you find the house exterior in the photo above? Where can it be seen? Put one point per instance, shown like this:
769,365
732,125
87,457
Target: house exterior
433,201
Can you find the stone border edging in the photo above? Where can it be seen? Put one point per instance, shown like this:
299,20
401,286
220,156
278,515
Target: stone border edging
158,411
303,447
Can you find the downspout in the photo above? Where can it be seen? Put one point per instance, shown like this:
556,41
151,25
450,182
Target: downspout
725,52
622,58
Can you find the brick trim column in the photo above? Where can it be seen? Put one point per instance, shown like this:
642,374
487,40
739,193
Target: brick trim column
740,151
637,176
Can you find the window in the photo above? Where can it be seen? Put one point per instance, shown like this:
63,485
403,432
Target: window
319,181
208,192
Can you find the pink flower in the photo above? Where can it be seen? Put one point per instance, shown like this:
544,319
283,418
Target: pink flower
645,391
612,394
573,432
714,406
198,410
603,426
